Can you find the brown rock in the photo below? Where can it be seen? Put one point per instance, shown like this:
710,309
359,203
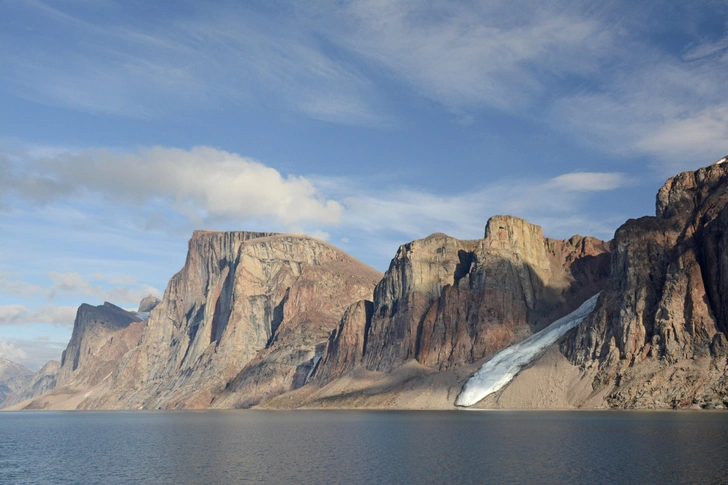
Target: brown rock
446,302
664,308
244,316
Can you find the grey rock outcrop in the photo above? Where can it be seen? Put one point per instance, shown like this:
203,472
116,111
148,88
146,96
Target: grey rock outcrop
101,336
94,329
148,304
36,385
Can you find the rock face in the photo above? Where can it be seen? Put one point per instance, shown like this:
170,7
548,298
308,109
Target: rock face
96,346
148,304
241,322
13,377
657,338
446,302
101,336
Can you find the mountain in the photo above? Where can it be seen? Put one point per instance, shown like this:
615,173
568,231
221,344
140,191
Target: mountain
101,336
243,321
657,336
148,304
445,304
12,377
512,320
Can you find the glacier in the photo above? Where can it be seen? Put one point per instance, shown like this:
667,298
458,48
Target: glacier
507,363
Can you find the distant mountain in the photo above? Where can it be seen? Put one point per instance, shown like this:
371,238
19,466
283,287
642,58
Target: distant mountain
12,377
101,336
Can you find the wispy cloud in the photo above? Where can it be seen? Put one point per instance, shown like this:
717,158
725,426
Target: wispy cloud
201,57
557,203
466,56
596,72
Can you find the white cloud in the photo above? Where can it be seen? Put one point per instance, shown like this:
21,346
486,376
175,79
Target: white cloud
32,353
698,136
588,181
19,288
416,213
21,315
11,352
202,184
74,284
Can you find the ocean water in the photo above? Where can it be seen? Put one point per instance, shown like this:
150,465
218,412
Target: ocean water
352,447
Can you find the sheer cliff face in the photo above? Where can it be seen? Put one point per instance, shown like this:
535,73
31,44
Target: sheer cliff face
101,336
248,308
446,302
665,309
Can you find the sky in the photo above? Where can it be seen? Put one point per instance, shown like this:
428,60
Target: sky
125,125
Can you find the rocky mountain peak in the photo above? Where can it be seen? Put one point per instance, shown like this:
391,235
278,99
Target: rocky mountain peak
91,328
244,316
148,304
13,376
508,230
683,193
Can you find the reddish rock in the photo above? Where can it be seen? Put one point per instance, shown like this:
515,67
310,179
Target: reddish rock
446,302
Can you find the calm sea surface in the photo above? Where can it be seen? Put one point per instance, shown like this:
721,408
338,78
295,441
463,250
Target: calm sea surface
363,447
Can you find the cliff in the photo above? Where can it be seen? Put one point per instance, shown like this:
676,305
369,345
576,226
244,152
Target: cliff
241,322
101,336
656,338
284,321
658,335
445,302
37,384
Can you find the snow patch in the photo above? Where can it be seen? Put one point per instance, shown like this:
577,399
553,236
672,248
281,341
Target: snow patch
316,360
507,363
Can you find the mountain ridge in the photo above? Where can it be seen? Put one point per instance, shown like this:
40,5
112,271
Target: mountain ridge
284,321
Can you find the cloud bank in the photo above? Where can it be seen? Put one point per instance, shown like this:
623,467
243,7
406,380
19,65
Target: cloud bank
202,183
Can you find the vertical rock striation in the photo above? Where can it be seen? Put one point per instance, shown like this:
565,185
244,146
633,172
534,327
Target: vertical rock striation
658,334
446,302
239,323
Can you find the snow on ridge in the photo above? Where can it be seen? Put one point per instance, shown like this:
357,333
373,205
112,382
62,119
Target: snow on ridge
507,363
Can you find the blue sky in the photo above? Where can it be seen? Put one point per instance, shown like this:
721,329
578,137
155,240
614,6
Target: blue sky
369,123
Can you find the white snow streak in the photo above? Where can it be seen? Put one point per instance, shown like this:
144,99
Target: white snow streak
316,360
507,363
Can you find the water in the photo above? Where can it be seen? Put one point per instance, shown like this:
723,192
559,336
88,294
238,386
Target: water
364,447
